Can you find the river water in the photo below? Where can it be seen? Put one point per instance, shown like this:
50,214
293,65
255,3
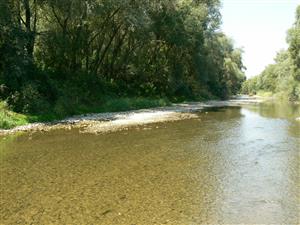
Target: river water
229,166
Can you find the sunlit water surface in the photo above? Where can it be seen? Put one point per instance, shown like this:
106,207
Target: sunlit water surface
229,166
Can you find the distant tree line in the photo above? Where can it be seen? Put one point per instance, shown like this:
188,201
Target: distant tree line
282,77
58,54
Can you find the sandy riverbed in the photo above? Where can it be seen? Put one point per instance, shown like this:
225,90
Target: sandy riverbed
109,122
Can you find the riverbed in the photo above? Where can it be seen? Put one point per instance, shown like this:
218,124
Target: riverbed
224,165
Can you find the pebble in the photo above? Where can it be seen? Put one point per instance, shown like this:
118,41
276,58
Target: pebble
82,120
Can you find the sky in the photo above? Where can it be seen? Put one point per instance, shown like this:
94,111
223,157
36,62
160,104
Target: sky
259,27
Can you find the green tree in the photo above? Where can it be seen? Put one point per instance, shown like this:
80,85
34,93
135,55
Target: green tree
62,54
282,77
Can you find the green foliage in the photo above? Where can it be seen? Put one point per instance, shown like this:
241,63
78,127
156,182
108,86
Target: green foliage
277,78
283,77
29,100
124,104
250,86
294,45
59,55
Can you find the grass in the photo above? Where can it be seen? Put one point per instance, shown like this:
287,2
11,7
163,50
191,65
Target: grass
10,119
265,94
124,104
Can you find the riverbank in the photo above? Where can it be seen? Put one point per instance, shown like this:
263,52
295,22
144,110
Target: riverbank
113,121
10,119
280,96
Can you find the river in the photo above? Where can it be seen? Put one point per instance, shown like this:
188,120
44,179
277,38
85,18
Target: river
230,165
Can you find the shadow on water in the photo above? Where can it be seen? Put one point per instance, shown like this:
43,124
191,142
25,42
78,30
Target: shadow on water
230,165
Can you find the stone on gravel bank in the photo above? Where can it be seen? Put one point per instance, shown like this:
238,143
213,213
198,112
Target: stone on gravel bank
109,122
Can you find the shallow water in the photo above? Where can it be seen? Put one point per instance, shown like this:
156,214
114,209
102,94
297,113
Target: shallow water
230,166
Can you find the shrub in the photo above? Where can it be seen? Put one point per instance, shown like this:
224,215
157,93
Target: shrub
29,100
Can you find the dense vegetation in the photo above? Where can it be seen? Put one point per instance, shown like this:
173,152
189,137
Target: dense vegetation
283,77
74,56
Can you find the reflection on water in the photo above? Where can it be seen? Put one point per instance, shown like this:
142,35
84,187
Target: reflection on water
280,110
273,109
231,165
